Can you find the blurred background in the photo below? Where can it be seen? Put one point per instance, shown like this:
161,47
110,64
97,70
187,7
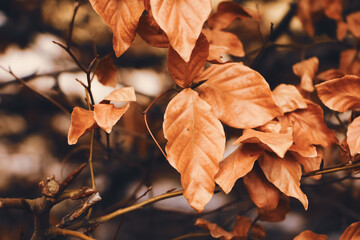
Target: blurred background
33,131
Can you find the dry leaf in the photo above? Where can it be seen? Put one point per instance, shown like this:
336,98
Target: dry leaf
310,163
81,121
226,13
333,9
239,96
352,232
196,143
106,72
341,30
237,165
288,98
353,23
242,226
107,115
349,62
183,18
353,136
285,174
215,230
309,235
216,53
277,214
329,75
125,94
279,143
122,17
184,72
304,13
263,193
307,70
340,94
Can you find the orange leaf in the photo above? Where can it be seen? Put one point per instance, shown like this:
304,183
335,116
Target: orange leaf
107,115
225,39
340,94
215,230
285,174
341,30
196,143
304,14
216,53
184,72
239,96
352,232
309,128
237,165
182,21
106,72
226,13
309,235
126,94
122,17
307,70
310,163
263,193
330,74
349,62
279,143
353,22
150,31
242,226
288,98
333,9
81,121
277,214
353,136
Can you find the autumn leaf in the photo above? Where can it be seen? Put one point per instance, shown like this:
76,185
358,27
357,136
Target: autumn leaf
353,136
125,94
226,13
341,30
309,235
353,22
277,214
288,98
239,96
243,225
263,193
182,21
216,53
106,72
81,121
237,165
215,230
196,143
184,72
340,94
352,232
107,115
122,17
285,174
349,62
310,163
307,70
329,75
333,9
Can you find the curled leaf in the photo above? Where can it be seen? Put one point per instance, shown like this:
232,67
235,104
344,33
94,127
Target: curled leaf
107,115
288,98
237,165
330,74
196,143
307,70
215,230
81,121
352,232
126,94
106,72
238,95
309,235
353,136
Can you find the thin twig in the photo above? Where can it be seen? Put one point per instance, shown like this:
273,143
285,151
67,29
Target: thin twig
66,232
191,235
71,28
332,169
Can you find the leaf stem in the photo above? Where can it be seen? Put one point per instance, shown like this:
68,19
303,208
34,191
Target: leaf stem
191,235
332,169
66,232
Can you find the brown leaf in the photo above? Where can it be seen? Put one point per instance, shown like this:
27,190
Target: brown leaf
350,62
263,193
184,72
352,232
237,165
333,9
341,30
279,143
150,31
242,226
106,72
183,18
215,230
307,70
340,94
216,53
122,17
309,235
310,163
225,39
285,174
309,129
125,94
277,214
353,136
304,14
226,13
81,121
107,115
196,143
353,22
288,98
330,74
239,96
